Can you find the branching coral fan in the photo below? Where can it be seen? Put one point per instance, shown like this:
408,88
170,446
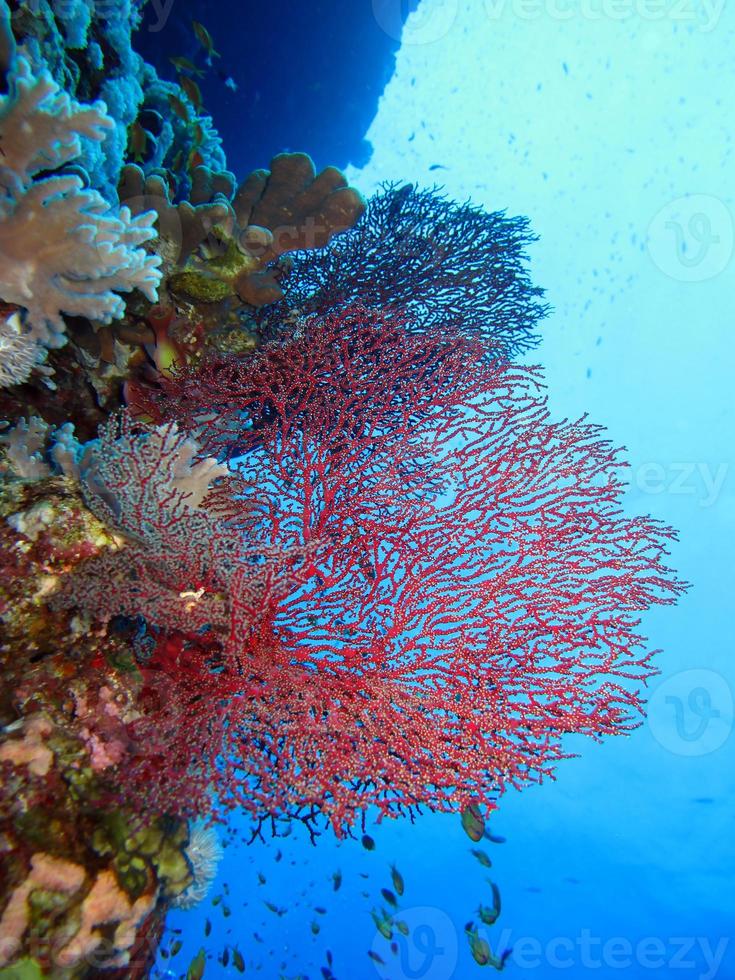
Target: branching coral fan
434,581
449,265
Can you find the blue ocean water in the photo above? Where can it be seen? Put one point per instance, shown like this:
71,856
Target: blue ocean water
610,124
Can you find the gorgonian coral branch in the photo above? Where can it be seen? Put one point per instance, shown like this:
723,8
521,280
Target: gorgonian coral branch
465,591
444,264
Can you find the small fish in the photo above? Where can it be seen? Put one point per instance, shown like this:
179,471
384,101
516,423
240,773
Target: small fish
216,900
226,911
397,879
487,915
482,857
376,957
481,952
225,958
207,927
231,83
196,967
320,910
490,915
278,856
205,39
237,960
137,142
261,878
394,948
176,947
473,823
178,107
330,958
493,838
336,880
389,897
275,909
192,91
402,927
368,843
315,927
382,924
183,64
438,166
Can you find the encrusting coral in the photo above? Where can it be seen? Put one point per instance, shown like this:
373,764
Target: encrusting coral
240,235
82,875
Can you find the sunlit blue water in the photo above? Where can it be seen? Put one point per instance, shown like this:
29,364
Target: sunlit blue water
609,123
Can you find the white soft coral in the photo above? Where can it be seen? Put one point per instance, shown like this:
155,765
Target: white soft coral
62,249
41,125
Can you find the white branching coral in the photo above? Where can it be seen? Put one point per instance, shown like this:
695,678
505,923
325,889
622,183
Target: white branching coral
62,253
35,451
25,448
40,125
62,250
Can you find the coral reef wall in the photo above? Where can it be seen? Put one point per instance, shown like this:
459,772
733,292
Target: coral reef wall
282,527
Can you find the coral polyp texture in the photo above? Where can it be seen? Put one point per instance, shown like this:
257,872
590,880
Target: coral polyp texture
434,582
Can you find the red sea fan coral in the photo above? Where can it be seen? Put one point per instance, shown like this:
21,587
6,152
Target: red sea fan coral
462,588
